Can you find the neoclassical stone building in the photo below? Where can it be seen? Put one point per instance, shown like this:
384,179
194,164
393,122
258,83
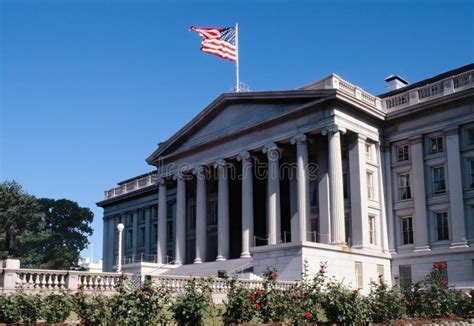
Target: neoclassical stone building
327,172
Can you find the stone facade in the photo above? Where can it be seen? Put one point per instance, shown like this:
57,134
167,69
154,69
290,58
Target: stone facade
327,172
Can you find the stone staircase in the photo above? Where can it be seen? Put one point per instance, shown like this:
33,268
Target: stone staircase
241,266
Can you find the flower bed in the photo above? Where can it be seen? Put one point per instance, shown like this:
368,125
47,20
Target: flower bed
314,301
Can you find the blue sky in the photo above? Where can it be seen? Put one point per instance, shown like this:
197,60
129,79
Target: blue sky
88,88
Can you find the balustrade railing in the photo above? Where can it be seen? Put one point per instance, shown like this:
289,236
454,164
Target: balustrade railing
131,186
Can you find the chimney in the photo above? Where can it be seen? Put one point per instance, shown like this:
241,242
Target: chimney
394,82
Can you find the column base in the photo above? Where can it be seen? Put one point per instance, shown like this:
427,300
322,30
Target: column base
178,262
459,244
198,261
422,248
221,258
245,255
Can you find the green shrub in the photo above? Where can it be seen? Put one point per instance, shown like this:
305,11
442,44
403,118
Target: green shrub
464,304
343,305
238,306
191,307
91,309
8,311
56,308
386,303
28,306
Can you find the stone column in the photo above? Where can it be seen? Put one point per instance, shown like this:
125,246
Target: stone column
247,203
387,169
147,213
180,229
336,187
162,211
273,194
358,188
455,189
302,162
222,211
135,220
323,194
417,182
201,215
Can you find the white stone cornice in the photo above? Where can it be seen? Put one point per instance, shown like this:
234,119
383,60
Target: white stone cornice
301,138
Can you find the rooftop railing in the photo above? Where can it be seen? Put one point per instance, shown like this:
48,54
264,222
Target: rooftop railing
429,92
131,186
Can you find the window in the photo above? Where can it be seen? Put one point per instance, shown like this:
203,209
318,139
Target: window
154,234
129,239
154,211
443,268
471,171
371,229
368,152
439,183
348,228
169,230
345,190
470,136
404,191
442,229
212,213
380,270
313,193
436,144
402,153
407,230
370,185
130,219
358,275
192,217
141,238
405,275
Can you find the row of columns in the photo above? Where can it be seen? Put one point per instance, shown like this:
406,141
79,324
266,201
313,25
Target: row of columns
336,228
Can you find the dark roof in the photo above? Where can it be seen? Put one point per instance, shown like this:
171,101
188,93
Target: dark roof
429,80
392,77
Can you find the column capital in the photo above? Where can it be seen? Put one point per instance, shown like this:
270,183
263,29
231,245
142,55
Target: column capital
179,176
300,138
161,181
453,130
220,163
334,128
200,170
245,155
272,150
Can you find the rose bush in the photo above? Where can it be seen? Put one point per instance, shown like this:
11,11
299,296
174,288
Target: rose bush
386,303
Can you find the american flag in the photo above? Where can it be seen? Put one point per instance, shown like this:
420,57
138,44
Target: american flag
218,41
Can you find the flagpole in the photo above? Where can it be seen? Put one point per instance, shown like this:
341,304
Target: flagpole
237,84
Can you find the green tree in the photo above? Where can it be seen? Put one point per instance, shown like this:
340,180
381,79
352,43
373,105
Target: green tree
23,210
68,226
51,233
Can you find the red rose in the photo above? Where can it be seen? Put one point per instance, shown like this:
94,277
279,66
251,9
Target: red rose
444,282
274,275
307,315
252,297
295,295
355,291
436,265
442,265
257,306
259,293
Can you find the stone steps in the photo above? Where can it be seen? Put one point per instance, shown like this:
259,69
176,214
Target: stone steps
231,266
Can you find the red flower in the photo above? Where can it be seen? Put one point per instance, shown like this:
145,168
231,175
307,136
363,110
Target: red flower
442,265
413,302
375,308
444,282
436,265
355,291
295,295
257,306
258,293
274,275
252,297
307,315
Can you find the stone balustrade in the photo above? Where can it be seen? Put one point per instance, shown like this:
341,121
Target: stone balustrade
47,281
429,92
131,186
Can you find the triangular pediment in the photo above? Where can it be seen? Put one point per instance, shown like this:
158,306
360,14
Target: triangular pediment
226,116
